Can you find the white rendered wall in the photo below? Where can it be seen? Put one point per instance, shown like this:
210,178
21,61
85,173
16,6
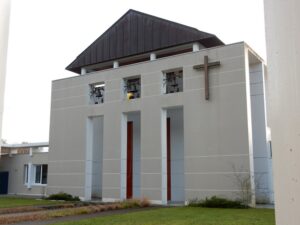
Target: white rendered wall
216,137
4,27
263,189
283,46
177,154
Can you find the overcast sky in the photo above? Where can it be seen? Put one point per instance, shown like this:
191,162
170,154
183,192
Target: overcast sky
46,35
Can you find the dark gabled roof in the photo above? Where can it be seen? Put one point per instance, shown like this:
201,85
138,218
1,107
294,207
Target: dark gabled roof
137,33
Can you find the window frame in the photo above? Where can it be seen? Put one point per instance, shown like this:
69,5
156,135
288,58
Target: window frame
95,90
126,92
164,88
25,175
38,177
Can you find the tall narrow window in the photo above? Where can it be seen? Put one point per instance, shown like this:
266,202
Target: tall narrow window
44,174
173,82
25,174
132,87
38,172
97,93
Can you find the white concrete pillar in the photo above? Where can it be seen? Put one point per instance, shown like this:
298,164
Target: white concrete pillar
88,161
123,155
116,64
83,71
164,175
283,84
152,56
196,47
4,28
249,122
29,172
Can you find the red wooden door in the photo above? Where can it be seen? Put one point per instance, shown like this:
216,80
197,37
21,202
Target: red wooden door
129,159
168,159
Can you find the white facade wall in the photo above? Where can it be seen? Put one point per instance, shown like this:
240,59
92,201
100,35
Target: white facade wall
217,133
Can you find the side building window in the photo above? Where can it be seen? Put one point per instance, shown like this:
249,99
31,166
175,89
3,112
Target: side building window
25,174
38,174
41,172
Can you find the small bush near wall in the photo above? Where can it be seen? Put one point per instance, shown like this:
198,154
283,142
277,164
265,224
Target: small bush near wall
63,196
135,203
217,202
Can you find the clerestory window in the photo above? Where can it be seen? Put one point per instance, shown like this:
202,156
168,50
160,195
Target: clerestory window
173,82
97,93
132,88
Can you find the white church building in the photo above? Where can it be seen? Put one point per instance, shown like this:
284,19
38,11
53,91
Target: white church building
163,111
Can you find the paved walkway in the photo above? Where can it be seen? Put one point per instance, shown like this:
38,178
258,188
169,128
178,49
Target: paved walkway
265,206
86,216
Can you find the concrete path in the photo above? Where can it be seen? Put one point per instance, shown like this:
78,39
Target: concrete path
265,206
87,216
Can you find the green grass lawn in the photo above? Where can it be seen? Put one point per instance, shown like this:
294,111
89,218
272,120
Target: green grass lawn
186,216
11,202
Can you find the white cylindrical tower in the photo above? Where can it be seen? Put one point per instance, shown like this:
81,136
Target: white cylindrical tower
4,28
283,82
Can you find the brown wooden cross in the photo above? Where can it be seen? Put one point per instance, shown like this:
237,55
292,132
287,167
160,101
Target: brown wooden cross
206,66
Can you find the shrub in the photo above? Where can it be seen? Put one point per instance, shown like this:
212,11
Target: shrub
130,203
135,203
144,202
63,196
217,202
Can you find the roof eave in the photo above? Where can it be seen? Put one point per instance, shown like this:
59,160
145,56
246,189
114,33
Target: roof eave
207,42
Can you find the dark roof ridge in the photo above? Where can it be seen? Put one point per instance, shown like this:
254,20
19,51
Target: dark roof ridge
166,20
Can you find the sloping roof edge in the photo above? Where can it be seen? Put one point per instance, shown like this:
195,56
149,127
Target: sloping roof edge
209,40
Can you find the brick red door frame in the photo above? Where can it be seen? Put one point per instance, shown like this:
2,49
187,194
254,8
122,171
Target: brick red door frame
129,178
169,159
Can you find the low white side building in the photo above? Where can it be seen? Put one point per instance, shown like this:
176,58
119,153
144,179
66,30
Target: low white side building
24,169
